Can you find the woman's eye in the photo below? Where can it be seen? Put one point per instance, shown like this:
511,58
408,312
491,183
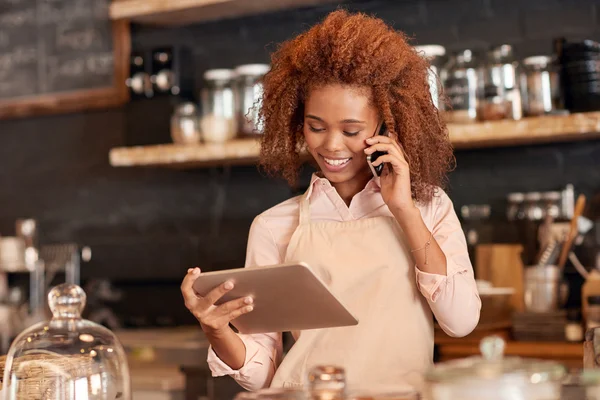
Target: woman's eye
313,129
351,133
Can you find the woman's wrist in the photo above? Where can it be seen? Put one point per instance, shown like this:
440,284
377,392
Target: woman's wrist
406,215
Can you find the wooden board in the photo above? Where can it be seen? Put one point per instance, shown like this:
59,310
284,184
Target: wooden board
546,129
246,151
61,56
182,12
501,265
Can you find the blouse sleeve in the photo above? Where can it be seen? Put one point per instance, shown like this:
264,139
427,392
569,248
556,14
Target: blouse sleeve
263,351
453,297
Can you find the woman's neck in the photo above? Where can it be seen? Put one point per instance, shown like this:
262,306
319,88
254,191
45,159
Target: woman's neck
347,190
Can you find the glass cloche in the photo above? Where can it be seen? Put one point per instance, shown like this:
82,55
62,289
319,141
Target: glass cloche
67,357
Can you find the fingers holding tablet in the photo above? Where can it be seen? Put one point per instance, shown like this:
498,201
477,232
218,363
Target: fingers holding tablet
210,316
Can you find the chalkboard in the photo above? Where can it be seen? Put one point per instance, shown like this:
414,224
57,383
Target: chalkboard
54,53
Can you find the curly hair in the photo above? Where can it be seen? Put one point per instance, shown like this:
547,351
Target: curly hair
355,49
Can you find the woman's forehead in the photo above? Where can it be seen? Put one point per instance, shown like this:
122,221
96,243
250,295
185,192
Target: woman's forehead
340,101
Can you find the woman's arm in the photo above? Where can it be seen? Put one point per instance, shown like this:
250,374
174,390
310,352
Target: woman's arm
444,272
260,353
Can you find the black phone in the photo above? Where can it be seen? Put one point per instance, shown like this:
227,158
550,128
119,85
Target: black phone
371,158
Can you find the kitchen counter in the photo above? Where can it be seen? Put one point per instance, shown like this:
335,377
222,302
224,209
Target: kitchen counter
170,364
569,354
182,346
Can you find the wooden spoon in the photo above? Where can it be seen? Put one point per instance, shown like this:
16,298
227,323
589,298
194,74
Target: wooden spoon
566,249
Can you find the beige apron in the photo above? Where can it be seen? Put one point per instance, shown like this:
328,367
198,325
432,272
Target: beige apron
368,265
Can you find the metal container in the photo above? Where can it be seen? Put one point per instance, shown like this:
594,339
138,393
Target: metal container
218,121
500,96
185,127
540,85
249,93
461,87
544,288
435,55
494,377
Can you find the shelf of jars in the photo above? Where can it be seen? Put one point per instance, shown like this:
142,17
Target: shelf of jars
182,12
527,131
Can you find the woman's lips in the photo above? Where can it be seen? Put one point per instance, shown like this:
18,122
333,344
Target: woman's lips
335,164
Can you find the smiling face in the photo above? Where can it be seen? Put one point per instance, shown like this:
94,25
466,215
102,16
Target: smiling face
337,121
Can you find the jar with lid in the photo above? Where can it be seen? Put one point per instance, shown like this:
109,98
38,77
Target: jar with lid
540,85
67,357
435,55
218,121
185,127
494,377
500,95
533,207
515,208
551,201
461,86
249,92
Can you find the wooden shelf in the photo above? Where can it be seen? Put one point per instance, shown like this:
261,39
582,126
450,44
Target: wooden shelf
527,131
182,12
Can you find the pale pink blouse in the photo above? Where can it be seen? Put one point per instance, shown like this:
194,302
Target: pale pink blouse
453,298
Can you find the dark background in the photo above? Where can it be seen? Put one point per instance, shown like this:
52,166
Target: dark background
147,226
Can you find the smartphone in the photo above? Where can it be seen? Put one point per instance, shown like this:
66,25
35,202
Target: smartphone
371,158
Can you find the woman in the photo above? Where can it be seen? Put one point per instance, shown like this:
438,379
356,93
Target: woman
391,247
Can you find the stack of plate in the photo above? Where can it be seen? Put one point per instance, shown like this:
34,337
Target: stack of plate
12,254
581,75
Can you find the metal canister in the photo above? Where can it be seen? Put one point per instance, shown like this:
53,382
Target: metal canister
461,87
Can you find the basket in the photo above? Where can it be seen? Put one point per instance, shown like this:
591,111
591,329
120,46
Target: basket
44,376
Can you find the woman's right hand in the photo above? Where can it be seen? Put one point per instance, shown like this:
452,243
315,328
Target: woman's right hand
213,319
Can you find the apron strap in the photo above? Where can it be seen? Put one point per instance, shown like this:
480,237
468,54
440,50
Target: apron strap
304,210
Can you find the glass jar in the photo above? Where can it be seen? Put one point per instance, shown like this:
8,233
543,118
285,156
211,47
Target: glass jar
494,377
500,96
249,93
435,55
67,357
533,207
218,121
328,382
551,204
540,87
461,87
515,208
185,127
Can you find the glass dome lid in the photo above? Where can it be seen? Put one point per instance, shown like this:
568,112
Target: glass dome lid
67,357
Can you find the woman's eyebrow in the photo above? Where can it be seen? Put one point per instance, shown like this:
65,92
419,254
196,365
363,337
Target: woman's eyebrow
345,121
314,117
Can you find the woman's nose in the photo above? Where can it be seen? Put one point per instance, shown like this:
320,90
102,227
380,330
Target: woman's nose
334,142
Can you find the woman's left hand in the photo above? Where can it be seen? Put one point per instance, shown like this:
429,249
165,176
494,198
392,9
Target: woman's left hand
395,176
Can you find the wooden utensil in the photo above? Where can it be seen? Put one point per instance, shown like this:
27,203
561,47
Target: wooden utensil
566,249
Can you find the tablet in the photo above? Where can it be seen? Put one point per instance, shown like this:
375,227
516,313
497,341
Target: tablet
287,297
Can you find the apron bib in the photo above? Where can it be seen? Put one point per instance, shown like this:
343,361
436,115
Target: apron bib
367,264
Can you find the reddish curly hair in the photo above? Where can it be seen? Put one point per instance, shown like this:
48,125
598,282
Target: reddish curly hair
355,49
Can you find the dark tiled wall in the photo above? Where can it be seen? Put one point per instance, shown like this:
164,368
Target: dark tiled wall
150,225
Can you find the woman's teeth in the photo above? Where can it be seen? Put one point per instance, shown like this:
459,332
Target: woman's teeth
336,162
